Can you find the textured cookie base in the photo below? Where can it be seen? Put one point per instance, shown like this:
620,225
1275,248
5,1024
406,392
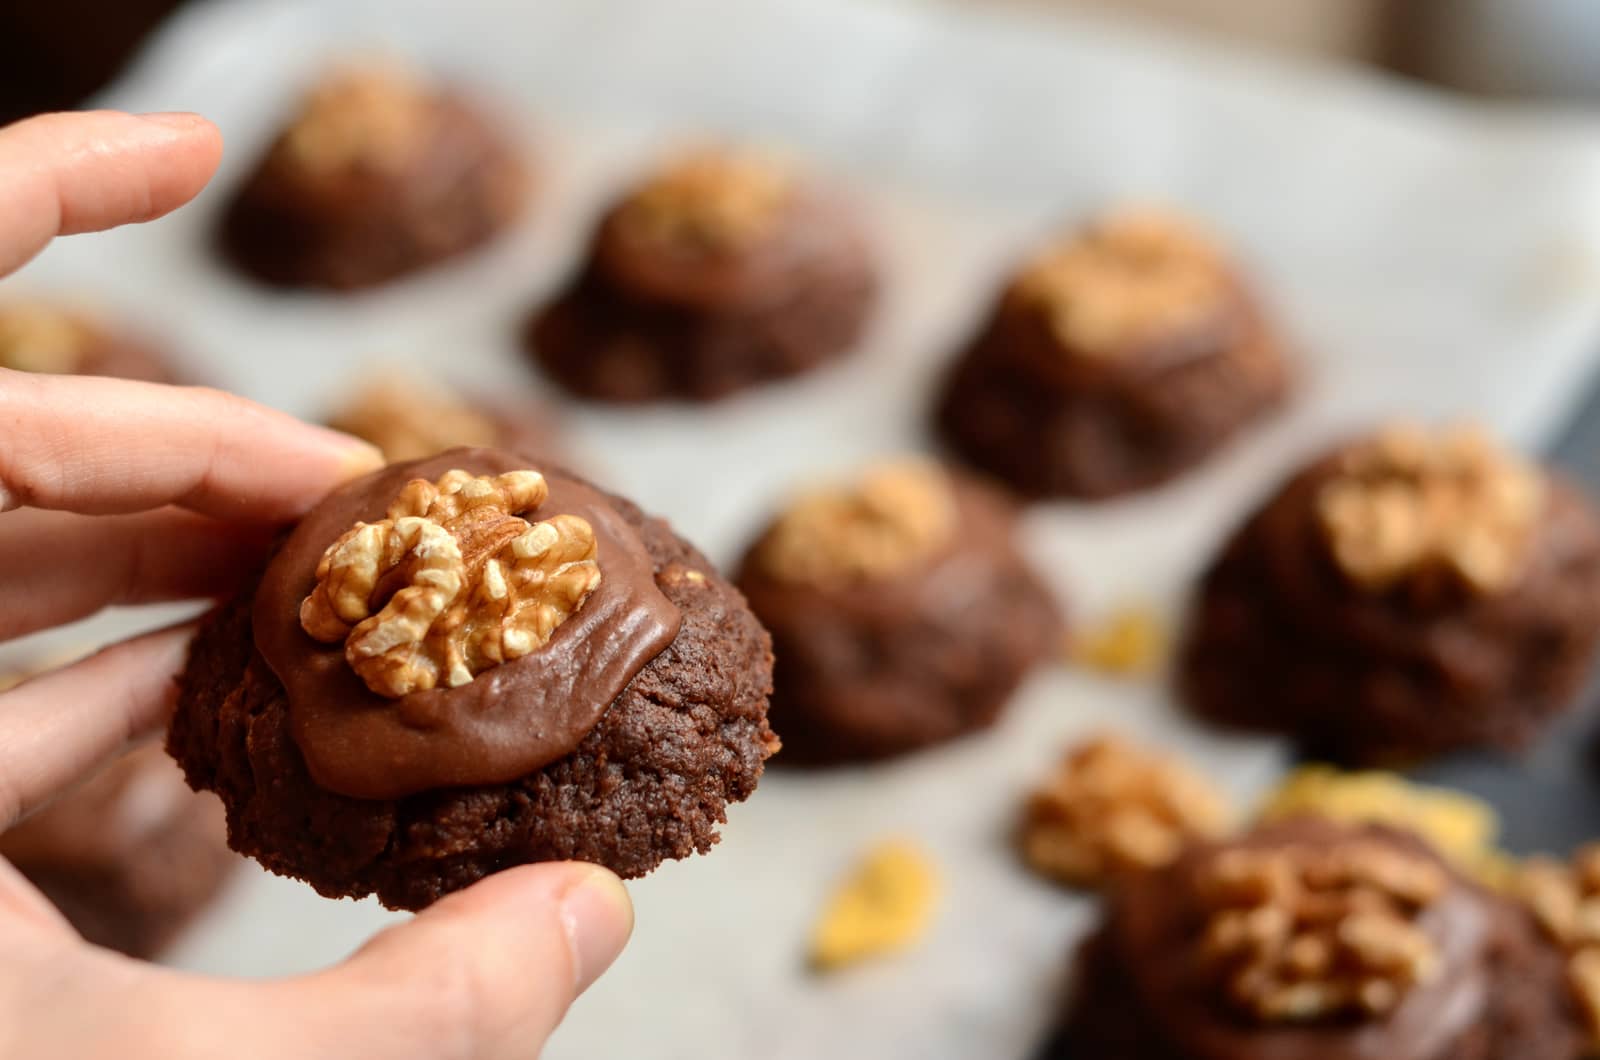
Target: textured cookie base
1045,437
876,672
652,781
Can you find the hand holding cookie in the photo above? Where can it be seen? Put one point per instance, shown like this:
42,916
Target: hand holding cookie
120,492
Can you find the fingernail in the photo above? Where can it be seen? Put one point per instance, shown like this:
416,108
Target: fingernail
173,119
598,917
358,457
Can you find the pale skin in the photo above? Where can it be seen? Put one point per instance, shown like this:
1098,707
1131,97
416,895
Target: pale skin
116,492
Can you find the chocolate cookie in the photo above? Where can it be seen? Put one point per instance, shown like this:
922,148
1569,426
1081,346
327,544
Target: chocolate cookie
722,271
902,613
1410,593
426,687
1314,941
410,418
130,857
38,336
1118,358
379,174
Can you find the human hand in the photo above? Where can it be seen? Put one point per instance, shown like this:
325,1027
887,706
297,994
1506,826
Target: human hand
115,492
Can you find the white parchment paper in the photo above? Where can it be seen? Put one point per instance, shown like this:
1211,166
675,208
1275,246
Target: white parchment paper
1427,257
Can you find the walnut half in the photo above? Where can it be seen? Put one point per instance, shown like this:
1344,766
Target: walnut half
373,116
412,419
1412,502
710,199
1303,933
1127,279
894,516
451,582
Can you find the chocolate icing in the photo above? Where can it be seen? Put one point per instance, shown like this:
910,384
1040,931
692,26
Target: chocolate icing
1153,930
509,720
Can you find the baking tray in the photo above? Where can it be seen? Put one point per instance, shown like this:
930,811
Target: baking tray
1427,257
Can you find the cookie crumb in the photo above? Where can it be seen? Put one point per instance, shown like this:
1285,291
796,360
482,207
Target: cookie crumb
883,906
1129,642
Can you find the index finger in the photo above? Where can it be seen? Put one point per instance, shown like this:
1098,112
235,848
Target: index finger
101,446
67,173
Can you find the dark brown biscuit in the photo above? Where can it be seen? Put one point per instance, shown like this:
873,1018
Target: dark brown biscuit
897,659
378,176
650,781
38,336
661,310
1115,361
410,418
1282,639
130,857
1494,990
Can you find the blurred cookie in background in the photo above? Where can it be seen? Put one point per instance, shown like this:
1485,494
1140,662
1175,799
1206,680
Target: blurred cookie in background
130,856
43,335
901,609
723,269
1120,356
380,172
1412,592
1308,938
409,417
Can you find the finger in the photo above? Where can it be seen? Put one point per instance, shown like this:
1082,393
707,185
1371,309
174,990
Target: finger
22,901
57,566
56,727
67,173
101,446
485,974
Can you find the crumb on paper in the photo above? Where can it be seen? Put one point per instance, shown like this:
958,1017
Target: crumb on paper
1130,642
1461,827
1112,806
883,906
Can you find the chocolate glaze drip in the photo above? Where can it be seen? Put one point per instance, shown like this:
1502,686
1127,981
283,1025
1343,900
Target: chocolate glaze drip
509,720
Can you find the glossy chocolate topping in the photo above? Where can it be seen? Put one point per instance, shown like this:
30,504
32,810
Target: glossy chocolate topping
509,720
1155,929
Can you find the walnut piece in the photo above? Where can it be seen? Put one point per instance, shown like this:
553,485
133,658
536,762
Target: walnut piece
1460,827
42,338
1113,807
374,116
711,200
1129,642
885,905
410,420
895,516
1301,933
451,582
1131,277
1564,898
1413,503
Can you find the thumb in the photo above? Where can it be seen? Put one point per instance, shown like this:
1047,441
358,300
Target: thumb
486,973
